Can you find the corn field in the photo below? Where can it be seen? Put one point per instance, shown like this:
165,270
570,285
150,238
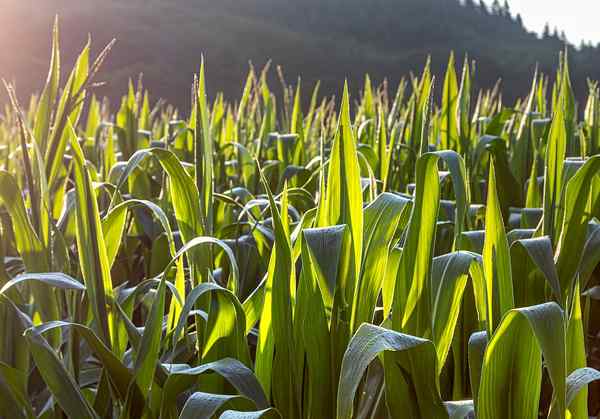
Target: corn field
394,255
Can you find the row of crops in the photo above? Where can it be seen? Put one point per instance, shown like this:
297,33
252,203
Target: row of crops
385,256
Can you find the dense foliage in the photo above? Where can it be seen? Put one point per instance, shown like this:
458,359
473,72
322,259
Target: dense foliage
326,40
389,256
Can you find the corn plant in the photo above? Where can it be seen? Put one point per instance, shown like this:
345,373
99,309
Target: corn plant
296,256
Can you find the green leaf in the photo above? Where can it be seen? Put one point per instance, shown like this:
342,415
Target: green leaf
381,219
420,112
43,115
553,173
267,414
147,355
311,327
539,251
477,346
67,114
578,380
28,244
464,108
343,197
574,224
14,382
496,259
325,245
203,153
460,409
93,259
113,225
411,306
412,389
591,254
184,198
512,367
236,373
448,281
458,174
576,354
274,353
53,279
119,374
62,386
524,154
195,294
449,129
205,405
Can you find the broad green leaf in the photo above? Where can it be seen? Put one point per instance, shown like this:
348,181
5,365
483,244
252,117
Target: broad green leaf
591,254
496,259
147,355
29,246
204,405
120,375
274,354
267,414
53,279
413,389
448,281
576,354
449,129
236,373
62,386
512,367
539,251
185,200
113,225
381,218
460,409
311,326
554,167
343,195
477,346
456,167
93,259
578,380
571,243
211,337
411,306
325,245
15,401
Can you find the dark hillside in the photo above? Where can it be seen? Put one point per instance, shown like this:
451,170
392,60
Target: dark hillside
319,39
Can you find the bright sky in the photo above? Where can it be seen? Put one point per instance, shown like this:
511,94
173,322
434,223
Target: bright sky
578,18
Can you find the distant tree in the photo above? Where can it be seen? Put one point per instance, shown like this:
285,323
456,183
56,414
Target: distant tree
563,36
470,4
555,33
483,7
506,10
496,8
519,20
546,32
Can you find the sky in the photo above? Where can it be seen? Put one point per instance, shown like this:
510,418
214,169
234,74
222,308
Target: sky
578,18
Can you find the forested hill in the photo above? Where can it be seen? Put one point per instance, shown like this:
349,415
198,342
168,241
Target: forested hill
319,39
